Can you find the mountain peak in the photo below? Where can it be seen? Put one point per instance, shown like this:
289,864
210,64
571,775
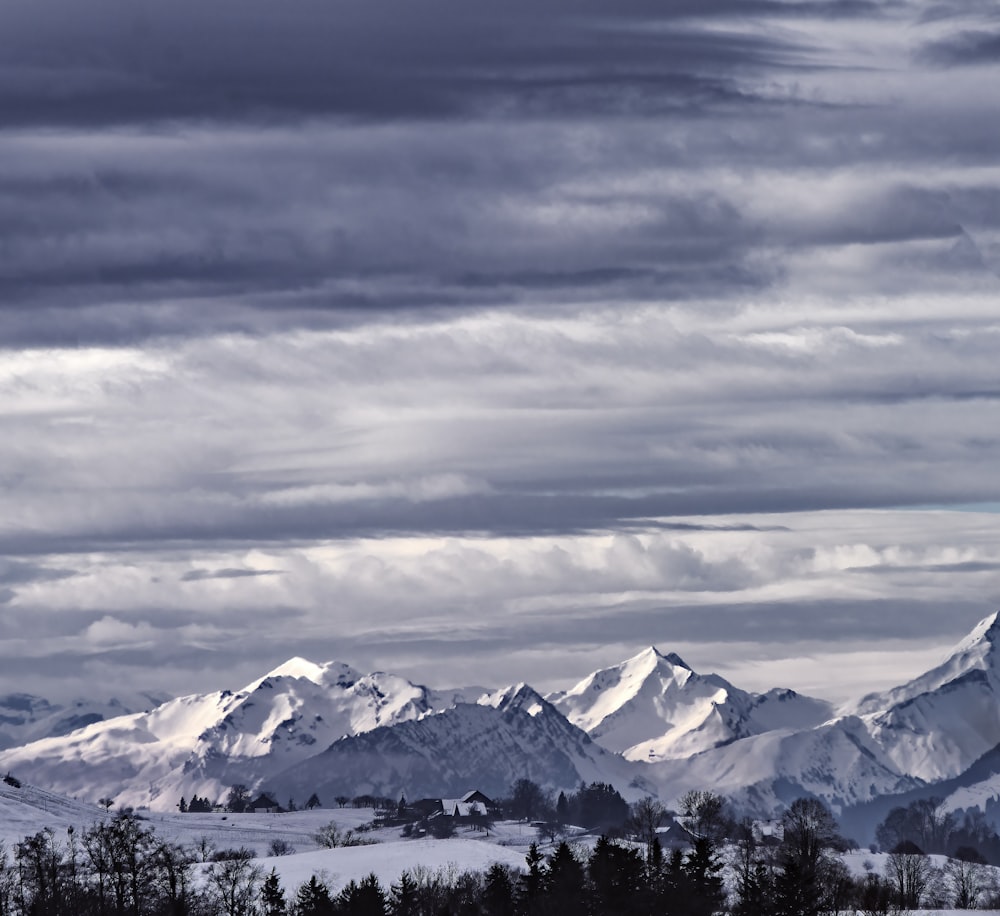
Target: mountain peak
652,658
979,651
327,674
517,696
299,667
987,631
676,660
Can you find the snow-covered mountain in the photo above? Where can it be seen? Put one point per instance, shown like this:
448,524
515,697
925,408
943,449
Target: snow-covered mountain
655,707
937,725
930,730
25,717
203,743
648,725
508,735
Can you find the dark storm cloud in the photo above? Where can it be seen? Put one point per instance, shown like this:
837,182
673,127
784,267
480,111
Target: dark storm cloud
140,210
121,62
514,513
964,49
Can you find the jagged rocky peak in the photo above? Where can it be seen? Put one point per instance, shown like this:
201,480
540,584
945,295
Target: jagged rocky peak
517,696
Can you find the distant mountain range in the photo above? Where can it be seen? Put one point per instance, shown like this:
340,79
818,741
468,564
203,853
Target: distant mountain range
650,726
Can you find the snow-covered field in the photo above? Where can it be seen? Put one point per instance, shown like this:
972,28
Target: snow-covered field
25,811
336,867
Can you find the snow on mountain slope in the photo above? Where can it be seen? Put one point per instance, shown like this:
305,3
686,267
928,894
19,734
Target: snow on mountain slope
976,652
306,726
939,724
203,743
837,762
25,718
930,730
508,735
654,707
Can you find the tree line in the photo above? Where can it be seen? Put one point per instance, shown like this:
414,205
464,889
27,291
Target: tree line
793,867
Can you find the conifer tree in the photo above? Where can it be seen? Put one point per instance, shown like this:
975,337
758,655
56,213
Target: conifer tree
272,896
564,883
532,883
364,898
313,899
703,867
498,894
403,897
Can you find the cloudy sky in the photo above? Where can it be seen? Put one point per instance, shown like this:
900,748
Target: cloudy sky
486,342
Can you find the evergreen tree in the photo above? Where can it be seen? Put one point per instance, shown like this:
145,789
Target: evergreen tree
313,899
364,898
599,805
657,878
532,883
677,892
562,809
498,894
564,883
403,897
617,879
272,896
703,868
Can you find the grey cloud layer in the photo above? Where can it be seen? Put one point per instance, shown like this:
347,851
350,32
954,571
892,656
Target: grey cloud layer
440,324
183,168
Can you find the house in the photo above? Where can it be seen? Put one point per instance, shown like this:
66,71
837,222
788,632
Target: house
427,807
263,804
455,807
472,805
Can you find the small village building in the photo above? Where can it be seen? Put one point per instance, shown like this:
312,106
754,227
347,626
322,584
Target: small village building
264,804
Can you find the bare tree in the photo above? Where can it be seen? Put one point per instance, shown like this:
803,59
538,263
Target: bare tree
239,797
528,801
647,816
967,878
234,883
909,872
703,815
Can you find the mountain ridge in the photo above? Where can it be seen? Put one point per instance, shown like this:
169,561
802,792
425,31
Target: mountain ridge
650,725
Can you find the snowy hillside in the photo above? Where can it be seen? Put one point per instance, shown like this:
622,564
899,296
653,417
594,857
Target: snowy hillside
655,707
